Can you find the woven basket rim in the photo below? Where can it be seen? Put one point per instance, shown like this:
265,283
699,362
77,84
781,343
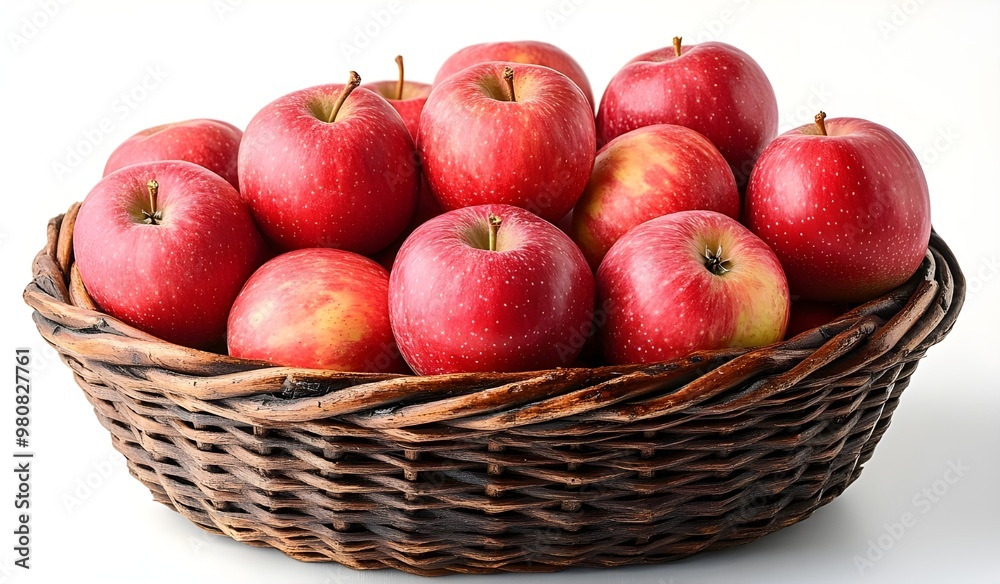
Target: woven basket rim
60,302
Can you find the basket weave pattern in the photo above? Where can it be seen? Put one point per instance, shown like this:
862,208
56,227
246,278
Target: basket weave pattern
533,471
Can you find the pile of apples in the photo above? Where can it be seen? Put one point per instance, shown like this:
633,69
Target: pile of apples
490,222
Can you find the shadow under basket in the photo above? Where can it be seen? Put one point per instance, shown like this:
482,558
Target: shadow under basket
519,472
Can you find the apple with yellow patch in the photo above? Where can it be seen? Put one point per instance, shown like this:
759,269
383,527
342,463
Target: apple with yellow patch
689,281
317,308
643,174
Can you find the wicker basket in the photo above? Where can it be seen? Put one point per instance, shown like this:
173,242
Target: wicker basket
534,471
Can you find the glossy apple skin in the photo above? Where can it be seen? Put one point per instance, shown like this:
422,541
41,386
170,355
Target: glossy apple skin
713,88
213,144
409,107
317,308
310,183
651,171
664,303
809,314
848,214
175,280
456,306
527,52
477,148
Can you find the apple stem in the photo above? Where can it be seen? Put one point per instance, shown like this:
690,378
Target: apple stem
715,262
399,86
494,228
677,46
153,216
508,76
352,83
821,123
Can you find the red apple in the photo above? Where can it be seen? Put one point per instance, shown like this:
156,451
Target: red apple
165,247
318,308
809,314
710,87
689,281
844,204
504,133
527,52
645,173
489,288
213,144
407,97
329,166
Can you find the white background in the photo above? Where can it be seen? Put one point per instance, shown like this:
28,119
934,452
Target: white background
929,70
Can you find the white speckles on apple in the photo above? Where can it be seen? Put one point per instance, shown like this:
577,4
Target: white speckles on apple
856,195
510,320
458,113
289,156
192,264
